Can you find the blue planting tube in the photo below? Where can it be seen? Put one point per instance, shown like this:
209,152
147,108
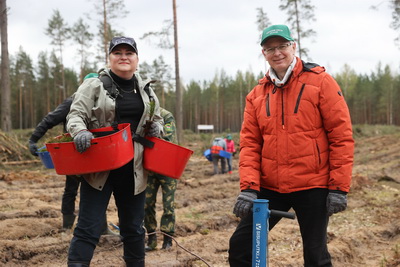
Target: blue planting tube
260,232
113,225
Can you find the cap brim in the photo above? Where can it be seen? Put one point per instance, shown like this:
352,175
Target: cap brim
112,48
266,38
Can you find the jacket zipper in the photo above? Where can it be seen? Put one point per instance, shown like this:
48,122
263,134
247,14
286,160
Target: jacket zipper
299,98
267,106
283,111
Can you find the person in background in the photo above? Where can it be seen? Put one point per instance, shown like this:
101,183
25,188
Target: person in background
134,102
168,187
230,148
218,145
72,182
296,149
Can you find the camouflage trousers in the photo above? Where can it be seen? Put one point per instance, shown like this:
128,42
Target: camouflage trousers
168,187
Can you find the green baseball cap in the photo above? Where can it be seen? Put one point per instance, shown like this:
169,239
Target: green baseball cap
276,30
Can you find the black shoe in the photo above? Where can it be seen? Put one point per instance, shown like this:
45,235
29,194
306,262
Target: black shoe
134,263
68,221
151,242
78,264
167,244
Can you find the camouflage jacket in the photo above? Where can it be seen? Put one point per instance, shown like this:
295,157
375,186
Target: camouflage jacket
169,126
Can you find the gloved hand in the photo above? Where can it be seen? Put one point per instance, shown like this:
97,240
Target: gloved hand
33,148
336,202
244,203
154,130
82,140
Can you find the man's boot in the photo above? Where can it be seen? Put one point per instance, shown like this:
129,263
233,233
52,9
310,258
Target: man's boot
167,244
151,242
68,221
78,264
134,263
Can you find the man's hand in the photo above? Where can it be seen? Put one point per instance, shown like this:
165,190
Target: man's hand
33,148
336,202
244,203
82,140
154,130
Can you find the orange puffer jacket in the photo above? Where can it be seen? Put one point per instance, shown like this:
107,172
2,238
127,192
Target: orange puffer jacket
296,137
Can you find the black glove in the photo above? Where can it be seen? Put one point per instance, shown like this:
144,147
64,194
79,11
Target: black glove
33,148
244,203
154,130
336,202
82,140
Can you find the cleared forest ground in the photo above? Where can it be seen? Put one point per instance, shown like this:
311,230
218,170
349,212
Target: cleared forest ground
366,234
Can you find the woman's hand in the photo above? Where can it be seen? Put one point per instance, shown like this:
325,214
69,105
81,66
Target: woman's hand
83,140
154,130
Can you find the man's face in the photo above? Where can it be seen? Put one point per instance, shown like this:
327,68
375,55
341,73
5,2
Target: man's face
279,53
123,61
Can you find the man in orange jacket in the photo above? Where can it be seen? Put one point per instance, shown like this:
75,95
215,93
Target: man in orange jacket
296,149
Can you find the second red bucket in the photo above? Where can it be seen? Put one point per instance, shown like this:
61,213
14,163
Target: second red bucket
166,158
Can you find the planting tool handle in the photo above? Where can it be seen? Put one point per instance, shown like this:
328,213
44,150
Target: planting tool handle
284,214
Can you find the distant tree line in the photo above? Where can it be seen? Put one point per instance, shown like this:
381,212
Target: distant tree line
37,88
372,98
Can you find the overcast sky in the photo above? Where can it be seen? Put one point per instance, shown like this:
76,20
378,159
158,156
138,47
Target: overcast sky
221,34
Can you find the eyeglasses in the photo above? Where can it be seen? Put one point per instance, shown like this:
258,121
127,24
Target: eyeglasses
281,48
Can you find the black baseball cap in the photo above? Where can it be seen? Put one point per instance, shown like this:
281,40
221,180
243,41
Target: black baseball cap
122,40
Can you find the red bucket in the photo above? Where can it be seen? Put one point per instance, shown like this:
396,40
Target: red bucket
166,158
106,153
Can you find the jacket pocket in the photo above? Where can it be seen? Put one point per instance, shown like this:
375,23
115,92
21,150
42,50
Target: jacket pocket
267,106
296,108
317,156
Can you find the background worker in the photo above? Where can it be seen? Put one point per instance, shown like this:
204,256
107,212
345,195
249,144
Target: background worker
133,101
296,149
218,145
168,187
230,148
53,118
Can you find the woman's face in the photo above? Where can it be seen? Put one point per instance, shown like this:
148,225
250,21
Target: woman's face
123,61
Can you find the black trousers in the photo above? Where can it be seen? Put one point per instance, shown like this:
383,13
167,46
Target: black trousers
70,191
92,209
310,208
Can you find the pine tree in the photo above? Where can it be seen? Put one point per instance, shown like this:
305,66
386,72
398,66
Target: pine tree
108,10
59,32
299,11
81,35
5,71
26,85
395,4
262,20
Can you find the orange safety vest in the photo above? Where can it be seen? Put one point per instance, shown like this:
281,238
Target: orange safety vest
216,149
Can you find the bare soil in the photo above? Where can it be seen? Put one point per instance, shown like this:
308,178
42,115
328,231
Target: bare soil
366,234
